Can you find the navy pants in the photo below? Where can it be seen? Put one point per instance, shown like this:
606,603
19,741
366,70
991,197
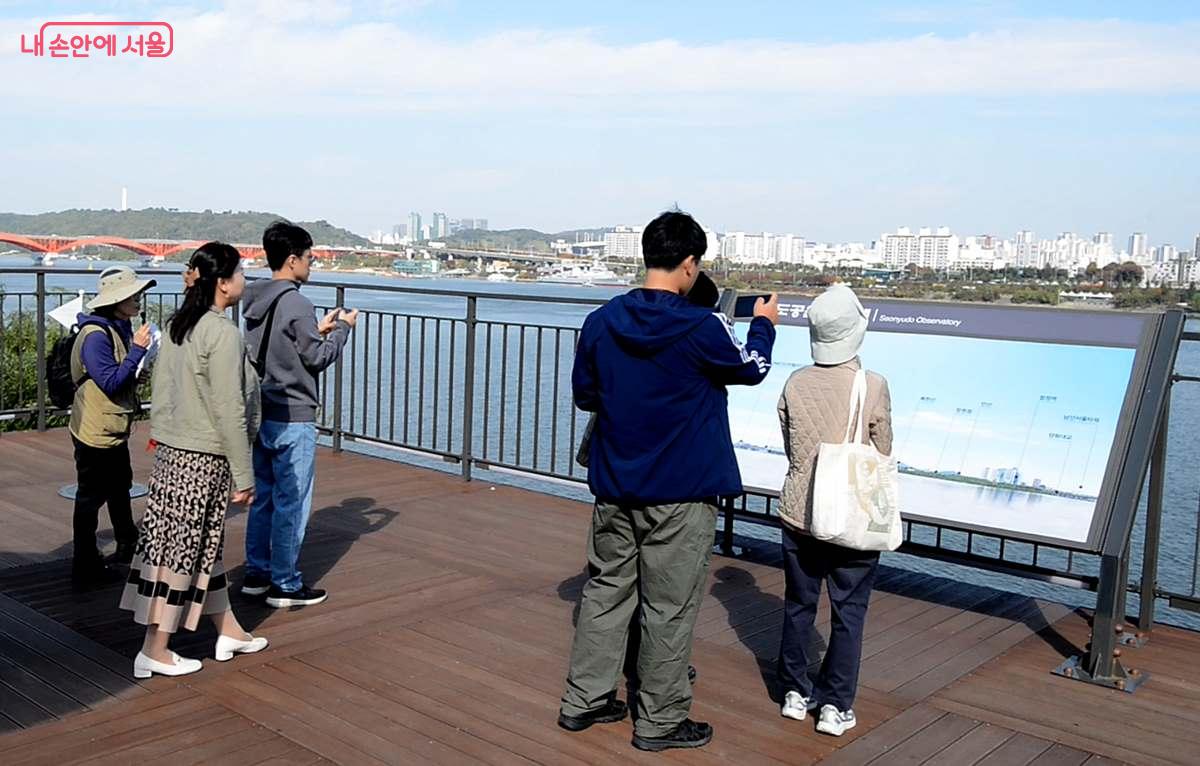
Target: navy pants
849,575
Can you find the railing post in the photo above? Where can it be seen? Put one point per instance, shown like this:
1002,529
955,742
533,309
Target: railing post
468,421
1154,508
338,372
41,351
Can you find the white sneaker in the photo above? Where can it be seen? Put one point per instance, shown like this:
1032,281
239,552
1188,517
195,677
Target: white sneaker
227,646
796,706
144,667
835,722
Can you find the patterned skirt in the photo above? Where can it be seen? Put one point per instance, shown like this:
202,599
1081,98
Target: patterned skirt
177,575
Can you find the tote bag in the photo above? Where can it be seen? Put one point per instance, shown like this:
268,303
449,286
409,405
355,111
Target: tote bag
855,499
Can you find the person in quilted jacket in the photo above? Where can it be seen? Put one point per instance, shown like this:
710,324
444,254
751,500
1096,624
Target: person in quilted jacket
814,408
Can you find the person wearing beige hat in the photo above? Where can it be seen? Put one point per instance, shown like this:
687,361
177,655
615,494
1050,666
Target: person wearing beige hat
814,408
104,367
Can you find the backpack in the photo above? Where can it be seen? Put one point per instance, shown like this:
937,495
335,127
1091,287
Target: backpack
59,383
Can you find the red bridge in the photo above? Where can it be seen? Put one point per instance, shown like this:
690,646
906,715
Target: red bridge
57,245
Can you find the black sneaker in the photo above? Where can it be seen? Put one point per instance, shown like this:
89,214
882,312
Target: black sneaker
124,554
304,596
255,585
691,674
614,710
687,734
86,575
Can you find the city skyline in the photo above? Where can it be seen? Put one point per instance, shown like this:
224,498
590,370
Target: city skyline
834,122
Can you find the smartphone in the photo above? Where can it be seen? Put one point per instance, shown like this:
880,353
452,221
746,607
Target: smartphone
744,307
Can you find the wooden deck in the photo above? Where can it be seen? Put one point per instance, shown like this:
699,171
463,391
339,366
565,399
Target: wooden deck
446,635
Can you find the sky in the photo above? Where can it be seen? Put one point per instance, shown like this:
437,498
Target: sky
834,121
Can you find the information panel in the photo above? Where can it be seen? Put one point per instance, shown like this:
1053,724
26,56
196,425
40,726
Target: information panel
1005,419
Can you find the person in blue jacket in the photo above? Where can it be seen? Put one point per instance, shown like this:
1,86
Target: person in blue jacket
654,367
104,367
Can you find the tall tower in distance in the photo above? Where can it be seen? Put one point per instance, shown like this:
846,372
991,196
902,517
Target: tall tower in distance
1137,245
124,199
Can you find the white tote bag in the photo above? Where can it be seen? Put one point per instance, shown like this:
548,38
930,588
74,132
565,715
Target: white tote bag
855,499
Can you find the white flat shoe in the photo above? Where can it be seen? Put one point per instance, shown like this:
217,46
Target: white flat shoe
144,667
227,647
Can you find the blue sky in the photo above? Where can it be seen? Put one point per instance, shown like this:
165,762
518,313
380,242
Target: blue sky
836,123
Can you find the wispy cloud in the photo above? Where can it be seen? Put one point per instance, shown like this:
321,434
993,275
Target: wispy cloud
273,55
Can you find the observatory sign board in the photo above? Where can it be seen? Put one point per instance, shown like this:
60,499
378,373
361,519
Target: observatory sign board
1009,420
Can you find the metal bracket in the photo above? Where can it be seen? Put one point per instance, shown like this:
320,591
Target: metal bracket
1122,680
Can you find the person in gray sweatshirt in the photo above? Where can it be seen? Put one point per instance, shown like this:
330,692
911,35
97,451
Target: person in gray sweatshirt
290,348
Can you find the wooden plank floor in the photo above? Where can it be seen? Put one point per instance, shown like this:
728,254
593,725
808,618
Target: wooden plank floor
446,635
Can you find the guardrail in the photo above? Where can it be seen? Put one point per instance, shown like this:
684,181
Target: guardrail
482,379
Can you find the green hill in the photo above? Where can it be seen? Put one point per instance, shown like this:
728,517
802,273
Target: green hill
519,239
244,227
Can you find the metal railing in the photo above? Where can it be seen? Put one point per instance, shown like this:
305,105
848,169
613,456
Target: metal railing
482,379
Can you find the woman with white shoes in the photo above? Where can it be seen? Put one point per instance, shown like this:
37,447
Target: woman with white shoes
814,409
203,419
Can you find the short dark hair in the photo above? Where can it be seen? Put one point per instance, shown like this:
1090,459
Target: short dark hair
670,239
283,239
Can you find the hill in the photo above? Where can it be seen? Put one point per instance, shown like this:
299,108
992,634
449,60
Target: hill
243,227
519,239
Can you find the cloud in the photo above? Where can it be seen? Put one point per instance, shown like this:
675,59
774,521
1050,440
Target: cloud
277,56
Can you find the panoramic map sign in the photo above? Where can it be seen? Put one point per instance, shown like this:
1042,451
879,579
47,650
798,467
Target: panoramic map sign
1005,420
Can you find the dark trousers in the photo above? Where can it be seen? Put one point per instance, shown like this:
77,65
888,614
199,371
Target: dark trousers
849,575
105,476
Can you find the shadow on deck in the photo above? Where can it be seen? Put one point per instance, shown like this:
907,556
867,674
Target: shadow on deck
446,634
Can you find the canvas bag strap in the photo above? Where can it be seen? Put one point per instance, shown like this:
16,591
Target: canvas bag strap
858,403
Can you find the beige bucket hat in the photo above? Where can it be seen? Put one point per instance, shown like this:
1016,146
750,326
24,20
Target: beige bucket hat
837,323
118,283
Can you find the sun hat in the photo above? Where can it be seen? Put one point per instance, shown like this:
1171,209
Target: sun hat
837,323
117,284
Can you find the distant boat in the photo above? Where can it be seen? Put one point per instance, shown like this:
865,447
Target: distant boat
500,276
42,259
152,261
593,273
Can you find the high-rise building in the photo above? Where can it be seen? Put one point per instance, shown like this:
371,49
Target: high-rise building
624,243
1196,247
1137,245
439,229
1028,251
481,224
1165,254
927,249
414,226
1103,238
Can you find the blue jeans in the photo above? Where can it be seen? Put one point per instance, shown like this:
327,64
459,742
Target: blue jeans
284,466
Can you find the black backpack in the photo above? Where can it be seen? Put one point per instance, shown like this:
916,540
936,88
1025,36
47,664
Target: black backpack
59,383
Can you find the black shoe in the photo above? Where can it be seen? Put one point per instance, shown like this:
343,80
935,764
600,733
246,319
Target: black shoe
255,585
691,674
124,554
687,734
614,710
304,596
94,574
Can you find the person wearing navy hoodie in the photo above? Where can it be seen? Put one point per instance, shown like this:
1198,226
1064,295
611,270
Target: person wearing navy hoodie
104,366
654,368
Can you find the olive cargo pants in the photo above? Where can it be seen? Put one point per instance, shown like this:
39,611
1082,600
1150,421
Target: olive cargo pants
657,555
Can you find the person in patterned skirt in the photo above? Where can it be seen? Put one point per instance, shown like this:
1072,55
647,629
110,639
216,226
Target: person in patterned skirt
203,418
